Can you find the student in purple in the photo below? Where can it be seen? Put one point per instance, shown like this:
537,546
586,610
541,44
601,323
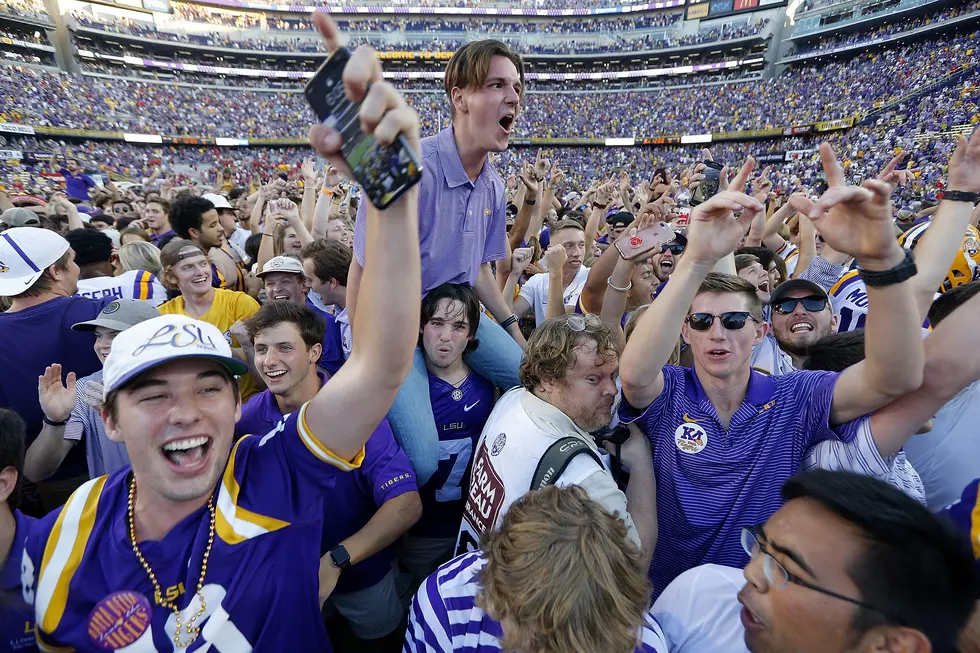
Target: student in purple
39,275
727,437
16,616
156,216
284,280
77,183
462,215
205,543
369,508
326,263
461,403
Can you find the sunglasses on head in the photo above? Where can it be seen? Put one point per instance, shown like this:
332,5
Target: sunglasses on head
674,248
731,320
813,304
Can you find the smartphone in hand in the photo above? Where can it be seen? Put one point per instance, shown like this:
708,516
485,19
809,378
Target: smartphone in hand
384,172
644,241
707,187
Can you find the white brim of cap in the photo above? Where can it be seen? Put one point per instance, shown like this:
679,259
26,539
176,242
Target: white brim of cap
14,287
234,366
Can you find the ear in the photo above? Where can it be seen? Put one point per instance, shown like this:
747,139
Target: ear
761,329
193,234
112,428
896,639
684,331
315,352
8,481
458,98
834,323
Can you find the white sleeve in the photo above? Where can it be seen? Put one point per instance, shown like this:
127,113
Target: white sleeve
699,611
529,291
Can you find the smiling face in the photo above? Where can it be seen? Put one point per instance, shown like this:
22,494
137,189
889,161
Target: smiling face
446,334
818,547
191,275
103,342
485,115
663,264
758,277
177,421
720,352
291,245
285,285
282,357
798,330
573,240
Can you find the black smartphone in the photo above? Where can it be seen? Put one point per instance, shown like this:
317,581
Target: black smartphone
707,187
384,172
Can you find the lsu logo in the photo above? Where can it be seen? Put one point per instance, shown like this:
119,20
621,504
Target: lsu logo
188,335
486,211
3,268
690,438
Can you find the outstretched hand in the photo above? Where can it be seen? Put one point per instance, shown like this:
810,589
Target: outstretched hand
57,399
714,231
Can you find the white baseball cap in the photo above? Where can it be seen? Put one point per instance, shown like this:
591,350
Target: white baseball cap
161,340
282,264
25,253
219,201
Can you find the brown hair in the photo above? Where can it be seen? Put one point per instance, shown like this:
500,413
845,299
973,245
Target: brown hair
310,325
170,256
564,224
562,572
45,282
551,348
279,239
719,283
743,261
134,231
331,259
469,66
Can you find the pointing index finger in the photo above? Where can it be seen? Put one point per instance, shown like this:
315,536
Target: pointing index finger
332,36
831,166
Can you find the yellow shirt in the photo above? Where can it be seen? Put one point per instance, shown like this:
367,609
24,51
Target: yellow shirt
227,308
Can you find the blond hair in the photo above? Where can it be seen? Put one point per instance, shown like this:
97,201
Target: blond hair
140,256
563,574
634,317
470,64
170,256
551,349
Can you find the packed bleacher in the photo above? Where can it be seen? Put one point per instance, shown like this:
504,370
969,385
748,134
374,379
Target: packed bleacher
543,365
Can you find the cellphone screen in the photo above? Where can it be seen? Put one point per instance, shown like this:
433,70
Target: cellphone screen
708,187
385,172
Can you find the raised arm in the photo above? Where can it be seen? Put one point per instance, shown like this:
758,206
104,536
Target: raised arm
555,257
529,204
771,237
386,330
309,194
324,200
857,220
808,246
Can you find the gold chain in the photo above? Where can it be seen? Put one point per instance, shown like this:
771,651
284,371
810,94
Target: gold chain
192,630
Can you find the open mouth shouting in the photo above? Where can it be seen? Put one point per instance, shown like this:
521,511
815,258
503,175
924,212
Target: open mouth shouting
764,285
187,455
506,122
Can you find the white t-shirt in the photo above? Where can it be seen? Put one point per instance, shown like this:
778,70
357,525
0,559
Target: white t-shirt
237,241
134,284
699,611
519,431
535,292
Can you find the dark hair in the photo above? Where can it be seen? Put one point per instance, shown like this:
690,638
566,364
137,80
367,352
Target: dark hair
454,292
743,261
12,447
310,325
186,213
836,352
252,244
163,242
951,300
764,254
104,217
134,231
721,283
573,214
123,223
91,246
235,193
915,567
164,204
331,259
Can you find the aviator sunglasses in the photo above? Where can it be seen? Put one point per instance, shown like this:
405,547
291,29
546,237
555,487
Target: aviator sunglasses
731,320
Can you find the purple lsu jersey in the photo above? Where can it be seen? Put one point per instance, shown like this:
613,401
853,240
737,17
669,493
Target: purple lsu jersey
16,616
460,414
965,515
261,589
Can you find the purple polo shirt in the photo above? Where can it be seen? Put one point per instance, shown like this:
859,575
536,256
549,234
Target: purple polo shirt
384,474
462,224
77,185
155,239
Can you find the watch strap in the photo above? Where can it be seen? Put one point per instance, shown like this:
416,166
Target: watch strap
901,272
340,556
961,196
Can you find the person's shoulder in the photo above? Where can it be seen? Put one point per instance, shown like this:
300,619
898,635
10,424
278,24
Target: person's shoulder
173,306
459,572
430,147
792,382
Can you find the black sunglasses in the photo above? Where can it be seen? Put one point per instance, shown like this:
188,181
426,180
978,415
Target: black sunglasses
732,320
813,304
675,248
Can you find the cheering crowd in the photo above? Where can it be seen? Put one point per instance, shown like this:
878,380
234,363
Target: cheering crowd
596,400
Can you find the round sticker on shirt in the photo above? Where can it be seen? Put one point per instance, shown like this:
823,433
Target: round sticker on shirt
498,444
690,437
118,620
457,395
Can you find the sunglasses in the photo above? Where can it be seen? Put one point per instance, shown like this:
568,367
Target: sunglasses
578,323
813,304
674,248
731,320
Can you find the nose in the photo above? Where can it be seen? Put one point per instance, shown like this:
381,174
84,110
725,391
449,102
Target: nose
513,97
717,330
799,309
185,410
755,576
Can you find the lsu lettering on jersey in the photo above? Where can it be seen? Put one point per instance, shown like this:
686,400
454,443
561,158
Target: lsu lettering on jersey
849,298
90,592
460,414
134,284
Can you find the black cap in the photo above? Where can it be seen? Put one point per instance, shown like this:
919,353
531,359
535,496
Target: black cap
779,294
623,218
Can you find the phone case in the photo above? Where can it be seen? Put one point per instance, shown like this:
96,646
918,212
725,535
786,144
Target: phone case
644,241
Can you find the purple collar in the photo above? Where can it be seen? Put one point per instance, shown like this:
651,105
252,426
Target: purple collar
761,388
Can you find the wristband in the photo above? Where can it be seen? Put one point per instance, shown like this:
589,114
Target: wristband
628,287
530,202
508,322
269,235
600,206
901,272
961,196
51,422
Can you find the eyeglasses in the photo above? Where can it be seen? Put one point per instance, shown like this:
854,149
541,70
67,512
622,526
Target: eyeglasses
731,320
674,248
578,323
778,577
813,304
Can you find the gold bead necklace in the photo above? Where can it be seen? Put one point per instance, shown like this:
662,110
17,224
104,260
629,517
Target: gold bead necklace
192,631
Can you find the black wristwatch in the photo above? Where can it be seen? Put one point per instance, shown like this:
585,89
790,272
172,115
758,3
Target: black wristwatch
901,272
961,196
340,556
530,202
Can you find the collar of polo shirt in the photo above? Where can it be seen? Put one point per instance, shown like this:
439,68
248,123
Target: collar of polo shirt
760,391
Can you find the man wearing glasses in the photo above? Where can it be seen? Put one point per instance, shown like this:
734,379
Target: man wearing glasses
568,378
847,564
801,315
727,437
